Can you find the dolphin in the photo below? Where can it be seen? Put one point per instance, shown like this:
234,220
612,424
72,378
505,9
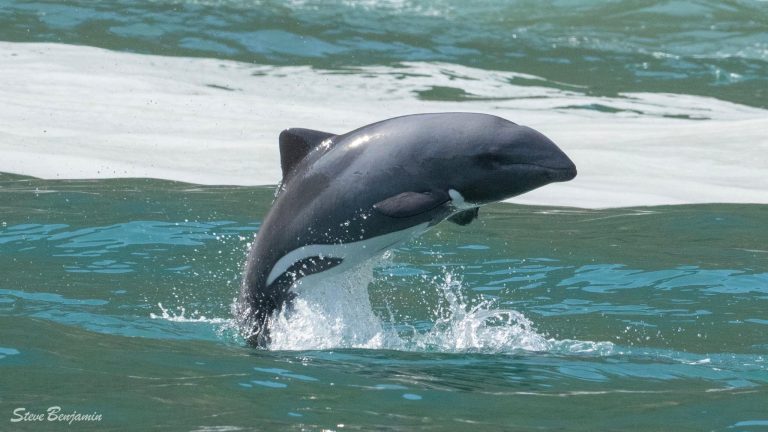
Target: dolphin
347,198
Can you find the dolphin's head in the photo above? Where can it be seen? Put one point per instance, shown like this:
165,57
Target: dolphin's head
509,160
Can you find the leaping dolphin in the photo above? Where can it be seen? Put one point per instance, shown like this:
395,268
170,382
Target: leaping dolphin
347,198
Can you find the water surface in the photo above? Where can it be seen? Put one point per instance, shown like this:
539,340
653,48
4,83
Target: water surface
115,297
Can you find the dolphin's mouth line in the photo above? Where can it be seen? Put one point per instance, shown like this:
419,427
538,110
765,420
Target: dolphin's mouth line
571,168
555,174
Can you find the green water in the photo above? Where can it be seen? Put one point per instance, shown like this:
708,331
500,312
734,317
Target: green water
651,318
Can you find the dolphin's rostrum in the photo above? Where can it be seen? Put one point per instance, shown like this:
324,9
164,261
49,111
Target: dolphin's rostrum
347,198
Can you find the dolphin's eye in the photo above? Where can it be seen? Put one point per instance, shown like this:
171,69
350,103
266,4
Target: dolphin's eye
492,160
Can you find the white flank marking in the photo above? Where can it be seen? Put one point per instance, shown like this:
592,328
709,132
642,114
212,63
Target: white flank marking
352,253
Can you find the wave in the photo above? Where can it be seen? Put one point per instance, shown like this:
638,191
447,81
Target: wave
706,46
208,121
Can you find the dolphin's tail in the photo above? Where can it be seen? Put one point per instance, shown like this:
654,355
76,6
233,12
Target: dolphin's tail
253,320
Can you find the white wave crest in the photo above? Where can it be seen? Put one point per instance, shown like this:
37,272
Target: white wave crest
110,114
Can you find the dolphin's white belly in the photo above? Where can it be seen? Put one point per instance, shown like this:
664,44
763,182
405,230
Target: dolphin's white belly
352,254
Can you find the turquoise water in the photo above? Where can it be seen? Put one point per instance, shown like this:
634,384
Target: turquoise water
116,297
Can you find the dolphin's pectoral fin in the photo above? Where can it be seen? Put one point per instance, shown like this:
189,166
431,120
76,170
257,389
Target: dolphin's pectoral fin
464,217
296,143
409,204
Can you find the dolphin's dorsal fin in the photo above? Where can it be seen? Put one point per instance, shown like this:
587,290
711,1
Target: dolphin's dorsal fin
409,204
296,143
464,217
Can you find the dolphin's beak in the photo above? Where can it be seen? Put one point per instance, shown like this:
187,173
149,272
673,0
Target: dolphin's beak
540,151
565,172
524,160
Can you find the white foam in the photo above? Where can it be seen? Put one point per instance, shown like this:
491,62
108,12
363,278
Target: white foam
81,112
331,312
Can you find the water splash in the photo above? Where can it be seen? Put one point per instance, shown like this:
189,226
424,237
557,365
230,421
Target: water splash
180,315
331,312
335,312
197,324
461,326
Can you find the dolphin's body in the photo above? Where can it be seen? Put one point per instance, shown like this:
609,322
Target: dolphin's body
347,198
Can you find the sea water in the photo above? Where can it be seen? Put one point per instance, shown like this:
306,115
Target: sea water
626,299
116,298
